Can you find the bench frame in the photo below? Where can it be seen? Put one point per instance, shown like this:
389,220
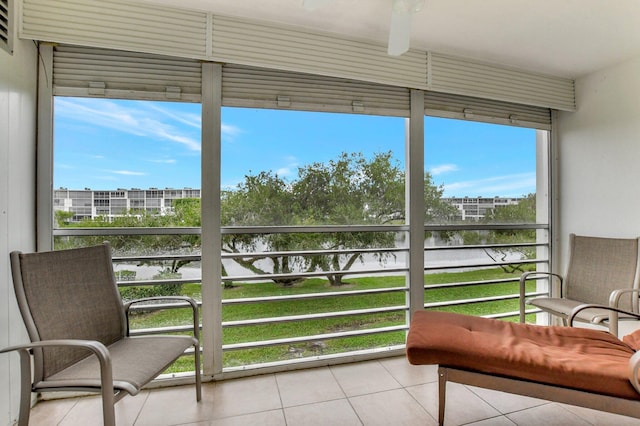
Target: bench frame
563,395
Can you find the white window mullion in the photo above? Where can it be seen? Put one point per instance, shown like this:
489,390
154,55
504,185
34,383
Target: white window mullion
415,201
210,214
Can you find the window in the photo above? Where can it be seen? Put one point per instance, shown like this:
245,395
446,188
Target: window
308,171
6,25
121,152
110,145
484,186
312,203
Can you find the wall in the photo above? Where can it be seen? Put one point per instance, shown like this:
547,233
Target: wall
18,78
599,156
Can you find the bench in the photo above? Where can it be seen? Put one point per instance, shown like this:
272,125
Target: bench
578,366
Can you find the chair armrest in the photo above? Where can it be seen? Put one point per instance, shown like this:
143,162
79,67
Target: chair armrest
612,318
186,299
97,348
523,281
528,275
614,297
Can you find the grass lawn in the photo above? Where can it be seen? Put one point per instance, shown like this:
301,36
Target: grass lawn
262,332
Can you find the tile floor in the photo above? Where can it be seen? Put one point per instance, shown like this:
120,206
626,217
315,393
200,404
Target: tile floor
383,392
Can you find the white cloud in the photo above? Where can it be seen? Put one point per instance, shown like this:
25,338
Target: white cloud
165,161
141,120
508,185
444,168
284,171
128,173
187,118
290,168
230,131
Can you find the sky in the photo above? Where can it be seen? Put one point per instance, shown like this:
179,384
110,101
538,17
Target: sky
105,144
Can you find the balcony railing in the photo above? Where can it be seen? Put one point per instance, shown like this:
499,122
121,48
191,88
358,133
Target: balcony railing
267,324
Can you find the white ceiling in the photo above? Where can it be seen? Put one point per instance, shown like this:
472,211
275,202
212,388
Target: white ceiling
565,38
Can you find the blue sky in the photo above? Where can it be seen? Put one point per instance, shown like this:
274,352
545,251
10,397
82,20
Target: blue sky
106,144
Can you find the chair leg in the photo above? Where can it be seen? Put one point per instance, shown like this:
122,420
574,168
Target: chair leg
108,407
25,387
197,371
442,393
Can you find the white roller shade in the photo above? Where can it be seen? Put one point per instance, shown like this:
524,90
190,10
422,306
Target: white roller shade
84,71
263,88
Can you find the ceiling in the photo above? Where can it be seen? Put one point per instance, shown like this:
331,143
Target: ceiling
564,38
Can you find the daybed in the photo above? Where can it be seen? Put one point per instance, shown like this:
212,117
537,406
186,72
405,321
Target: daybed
579,366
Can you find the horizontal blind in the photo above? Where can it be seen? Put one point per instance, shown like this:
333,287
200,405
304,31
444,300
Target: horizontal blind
262,88
85,71
460,76
476,109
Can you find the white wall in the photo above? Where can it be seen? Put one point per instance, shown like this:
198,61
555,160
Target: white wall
18,78
599,156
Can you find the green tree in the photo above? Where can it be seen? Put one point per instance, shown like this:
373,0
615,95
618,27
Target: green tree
521,213
186,213
437,211
348,190
62,218
264,199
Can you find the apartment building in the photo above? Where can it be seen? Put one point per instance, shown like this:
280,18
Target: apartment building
88,204
475,208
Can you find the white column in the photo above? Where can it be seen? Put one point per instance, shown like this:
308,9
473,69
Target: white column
210,210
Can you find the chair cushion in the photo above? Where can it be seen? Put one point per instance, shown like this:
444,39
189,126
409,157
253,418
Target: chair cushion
578,358
135,362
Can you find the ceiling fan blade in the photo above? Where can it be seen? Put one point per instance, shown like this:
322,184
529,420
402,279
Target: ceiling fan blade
399,33
312,5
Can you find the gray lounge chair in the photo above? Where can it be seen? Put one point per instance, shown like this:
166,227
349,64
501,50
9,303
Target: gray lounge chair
597,267
79,331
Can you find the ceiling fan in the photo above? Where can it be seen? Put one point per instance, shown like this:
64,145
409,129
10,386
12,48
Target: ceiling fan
400,26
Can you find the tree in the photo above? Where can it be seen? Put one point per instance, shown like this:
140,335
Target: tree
186,213
62,218
349,190
346,191
523,212
260,200
437,211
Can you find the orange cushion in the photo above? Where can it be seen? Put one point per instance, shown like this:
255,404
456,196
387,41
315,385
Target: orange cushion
579,358
633,340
